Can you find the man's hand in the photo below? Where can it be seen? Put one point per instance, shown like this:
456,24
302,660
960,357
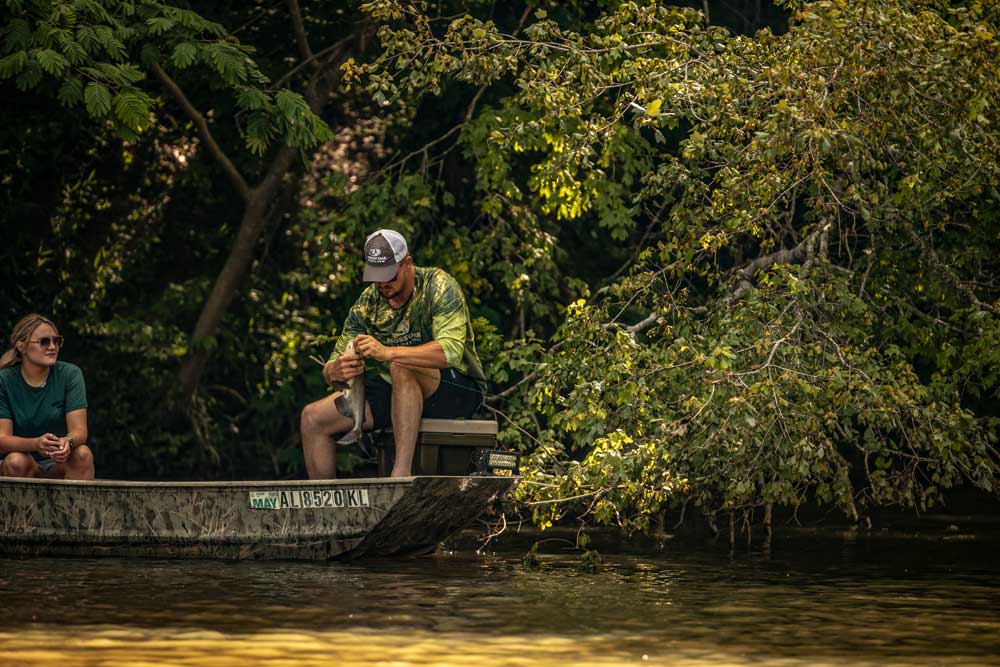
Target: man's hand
343,368
369,347
47,445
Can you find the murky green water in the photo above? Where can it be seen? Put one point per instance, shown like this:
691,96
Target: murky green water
870,603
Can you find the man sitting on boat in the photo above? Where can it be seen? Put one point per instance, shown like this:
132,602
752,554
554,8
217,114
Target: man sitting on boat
414,346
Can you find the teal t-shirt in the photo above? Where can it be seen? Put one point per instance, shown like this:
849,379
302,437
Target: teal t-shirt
36,411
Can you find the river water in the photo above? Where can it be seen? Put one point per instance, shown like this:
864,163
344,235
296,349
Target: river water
841,602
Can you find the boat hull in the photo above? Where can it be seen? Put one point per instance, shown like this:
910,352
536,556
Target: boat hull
313,520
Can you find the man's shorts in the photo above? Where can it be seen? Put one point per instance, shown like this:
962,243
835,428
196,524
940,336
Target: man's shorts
457,397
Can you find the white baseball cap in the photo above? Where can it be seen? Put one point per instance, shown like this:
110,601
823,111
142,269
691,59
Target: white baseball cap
384,250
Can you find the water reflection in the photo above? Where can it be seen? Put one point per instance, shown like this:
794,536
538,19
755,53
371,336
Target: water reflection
853,604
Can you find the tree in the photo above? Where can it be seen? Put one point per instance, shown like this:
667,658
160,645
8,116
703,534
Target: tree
97,54
811,224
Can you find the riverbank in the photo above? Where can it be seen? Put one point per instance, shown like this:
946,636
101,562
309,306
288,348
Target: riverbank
971,520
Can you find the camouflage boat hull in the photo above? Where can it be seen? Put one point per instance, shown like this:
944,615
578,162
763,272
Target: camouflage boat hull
240,520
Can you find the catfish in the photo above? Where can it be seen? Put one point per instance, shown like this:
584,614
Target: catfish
351,403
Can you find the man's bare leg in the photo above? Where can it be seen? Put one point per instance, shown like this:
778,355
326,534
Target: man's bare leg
321,421
410,388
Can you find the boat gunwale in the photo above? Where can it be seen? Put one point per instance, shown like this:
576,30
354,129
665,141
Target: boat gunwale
291,483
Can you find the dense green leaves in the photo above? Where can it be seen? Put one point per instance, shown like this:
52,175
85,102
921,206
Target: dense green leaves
734,272
808,195
93,42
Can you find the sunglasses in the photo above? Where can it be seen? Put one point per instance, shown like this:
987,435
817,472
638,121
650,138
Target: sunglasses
45,341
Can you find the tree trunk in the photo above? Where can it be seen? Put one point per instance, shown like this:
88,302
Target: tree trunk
227,283
258,199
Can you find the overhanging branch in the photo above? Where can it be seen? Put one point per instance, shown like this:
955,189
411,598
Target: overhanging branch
801,252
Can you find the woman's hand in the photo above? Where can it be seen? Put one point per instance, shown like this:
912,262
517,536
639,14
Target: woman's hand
61,454
47,445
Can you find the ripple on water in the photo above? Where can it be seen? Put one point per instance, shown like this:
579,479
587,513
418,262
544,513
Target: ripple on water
688,609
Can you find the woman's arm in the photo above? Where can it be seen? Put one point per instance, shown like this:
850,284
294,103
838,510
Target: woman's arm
76,426
12,443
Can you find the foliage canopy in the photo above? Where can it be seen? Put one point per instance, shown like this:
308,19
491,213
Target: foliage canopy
734,271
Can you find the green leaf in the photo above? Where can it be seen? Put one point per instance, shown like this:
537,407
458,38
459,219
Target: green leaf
71,92
87,37
122,75
185,54
292,105
13,64
97,98
228,61
30,77
74,51
132,108
111,44
159,25
53,62
252,99
18,35
150,55
259,133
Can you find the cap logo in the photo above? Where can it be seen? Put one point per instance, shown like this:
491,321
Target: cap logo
383,250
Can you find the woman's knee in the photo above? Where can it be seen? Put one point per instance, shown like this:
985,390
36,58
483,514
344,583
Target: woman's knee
81,458
18,464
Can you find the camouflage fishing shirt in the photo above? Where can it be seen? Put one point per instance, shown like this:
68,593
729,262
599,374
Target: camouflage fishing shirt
435,311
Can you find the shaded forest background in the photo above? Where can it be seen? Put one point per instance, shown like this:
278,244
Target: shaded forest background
736,254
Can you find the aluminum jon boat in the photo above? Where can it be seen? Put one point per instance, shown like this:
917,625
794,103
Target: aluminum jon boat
312,520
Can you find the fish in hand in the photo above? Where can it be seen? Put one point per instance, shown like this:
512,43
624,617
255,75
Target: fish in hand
351,403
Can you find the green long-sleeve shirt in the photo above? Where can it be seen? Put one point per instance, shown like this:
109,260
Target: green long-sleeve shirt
435,311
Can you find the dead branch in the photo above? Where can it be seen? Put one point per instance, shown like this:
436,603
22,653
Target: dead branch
568,499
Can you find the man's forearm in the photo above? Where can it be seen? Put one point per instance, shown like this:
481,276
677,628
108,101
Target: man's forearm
428,355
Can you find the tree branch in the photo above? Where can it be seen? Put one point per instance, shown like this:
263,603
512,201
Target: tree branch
643,324
322,54
299,28
792,255
945,269
805,249
232,173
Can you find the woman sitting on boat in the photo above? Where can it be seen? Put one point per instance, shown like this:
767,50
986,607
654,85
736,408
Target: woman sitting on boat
43,407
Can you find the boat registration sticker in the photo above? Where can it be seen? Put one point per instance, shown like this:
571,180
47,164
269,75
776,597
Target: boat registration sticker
297,499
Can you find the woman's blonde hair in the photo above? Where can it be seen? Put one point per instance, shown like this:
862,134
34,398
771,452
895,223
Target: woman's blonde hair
22,334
